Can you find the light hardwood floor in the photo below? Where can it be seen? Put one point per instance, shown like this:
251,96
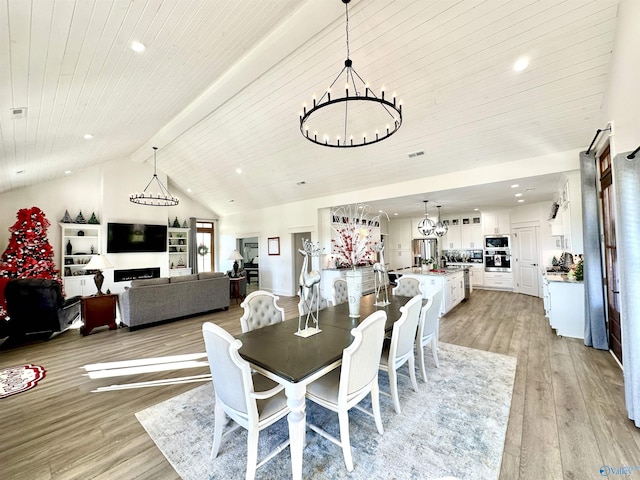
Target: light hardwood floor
567,415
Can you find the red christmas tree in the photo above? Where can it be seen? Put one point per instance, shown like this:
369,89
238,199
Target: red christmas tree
29,253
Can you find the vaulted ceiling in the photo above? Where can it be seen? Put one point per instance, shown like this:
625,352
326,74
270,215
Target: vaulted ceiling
221,84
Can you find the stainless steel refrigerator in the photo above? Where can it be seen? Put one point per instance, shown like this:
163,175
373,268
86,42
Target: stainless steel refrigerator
424,248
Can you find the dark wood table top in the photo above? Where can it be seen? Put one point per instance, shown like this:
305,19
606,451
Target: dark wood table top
277,349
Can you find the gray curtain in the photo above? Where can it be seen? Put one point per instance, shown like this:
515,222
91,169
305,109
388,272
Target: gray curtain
193,244
626,181
595,327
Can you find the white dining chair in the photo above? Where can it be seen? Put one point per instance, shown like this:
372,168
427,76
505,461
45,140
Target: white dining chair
399,350
260,309
344,387
428,330
251,400
339,292
318,302
408,286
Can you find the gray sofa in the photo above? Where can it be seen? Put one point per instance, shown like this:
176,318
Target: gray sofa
156,299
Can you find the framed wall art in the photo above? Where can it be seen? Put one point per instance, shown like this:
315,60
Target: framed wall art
273,245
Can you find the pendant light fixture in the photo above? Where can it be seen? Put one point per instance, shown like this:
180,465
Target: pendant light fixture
356,119
426,225
440,228
161,199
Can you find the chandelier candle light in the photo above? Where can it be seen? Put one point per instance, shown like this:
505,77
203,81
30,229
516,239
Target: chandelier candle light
372,119
162,199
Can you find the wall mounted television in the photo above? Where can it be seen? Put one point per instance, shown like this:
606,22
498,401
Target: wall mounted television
136,237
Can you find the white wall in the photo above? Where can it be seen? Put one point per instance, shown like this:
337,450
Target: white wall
623,97
103,190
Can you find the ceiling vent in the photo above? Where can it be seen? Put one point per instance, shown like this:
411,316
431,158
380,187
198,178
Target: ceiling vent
416,154
18,112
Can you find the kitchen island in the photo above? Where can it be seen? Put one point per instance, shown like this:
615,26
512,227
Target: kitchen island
564,304
450,280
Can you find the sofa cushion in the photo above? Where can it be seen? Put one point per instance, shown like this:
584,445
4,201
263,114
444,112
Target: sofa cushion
145,282
184,278
205,275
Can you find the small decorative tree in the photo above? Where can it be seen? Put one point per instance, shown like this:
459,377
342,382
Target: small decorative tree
29,253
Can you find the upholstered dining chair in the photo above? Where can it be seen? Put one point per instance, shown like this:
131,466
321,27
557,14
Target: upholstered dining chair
339,293
428,330
408,286
302,306
260,309
399,350
344,387
251,400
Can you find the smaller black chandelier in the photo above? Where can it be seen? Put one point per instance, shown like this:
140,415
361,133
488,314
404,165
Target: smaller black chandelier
360,101
161,199
426,225
441,228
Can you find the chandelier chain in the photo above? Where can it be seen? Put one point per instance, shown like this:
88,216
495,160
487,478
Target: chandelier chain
346,8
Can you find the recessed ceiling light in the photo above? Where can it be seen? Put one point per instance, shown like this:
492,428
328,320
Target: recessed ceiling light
67,172
189,190
138,47
88,136
476,209
515,185
238,171
521,200
395,214
521,64
518,194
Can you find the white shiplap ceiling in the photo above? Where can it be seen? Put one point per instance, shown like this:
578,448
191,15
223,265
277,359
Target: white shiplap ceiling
221,83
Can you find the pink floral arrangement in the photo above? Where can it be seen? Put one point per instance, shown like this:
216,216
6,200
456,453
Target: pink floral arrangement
353,243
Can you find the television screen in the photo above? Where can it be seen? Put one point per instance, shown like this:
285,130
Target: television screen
136,237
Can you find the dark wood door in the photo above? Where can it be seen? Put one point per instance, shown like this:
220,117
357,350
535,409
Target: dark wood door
610,254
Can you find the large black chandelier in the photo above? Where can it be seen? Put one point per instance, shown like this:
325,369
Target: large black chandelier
426,225
366,118
161,199
440,228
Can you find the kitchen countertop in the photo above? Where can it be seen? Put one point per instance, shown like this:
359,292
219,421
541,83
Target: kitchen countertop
437,273
560,277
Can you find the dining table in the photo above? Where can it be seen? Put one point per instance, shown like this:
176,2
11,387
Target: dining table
294,361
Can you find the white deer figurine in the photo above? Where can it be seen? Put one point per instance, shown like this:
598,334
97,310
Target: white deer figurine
380,277
309,283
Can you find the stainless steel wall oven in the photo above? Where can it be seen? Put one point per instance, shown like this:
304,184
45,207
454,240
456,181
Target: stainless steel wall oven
497,260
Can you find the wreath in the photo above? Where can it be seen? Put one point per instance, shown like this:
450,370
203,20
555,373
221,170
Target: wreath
203,250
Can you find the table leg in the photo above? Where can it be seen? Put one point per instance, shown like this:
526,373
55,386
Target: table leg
297,426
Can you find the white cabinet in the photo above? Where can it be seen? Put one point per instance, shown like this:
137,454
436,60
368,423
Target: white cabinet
565,306
453,239
178,248
498,221
498,280
398,244
471,237
453,291
476,273
80,242
82,286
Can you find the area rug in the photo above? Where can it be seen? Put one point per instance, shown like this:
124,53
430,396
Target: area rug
454,425
19,379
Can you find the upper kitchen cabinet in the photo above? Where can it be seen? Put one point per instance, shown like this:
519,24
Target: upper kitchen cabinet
497,221
571,212
471,237
452,240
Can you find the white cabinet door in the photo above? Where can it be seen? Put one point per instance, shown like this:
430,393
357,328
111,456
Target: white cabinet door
495,222
500,280
478,276
79,286
453,239
471,237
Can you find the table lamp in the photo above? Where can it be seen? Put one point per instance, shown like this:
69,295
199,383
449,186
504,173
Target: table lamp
235,256
99,263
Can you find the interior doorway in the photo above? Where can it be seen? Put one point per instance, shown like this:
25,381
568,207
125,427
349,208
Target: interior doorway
527,261
610,253
250,263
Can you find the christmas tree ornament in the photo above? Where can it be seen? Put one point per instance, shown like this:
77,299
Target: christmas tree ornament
184,225
93,220
176,223
80,218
